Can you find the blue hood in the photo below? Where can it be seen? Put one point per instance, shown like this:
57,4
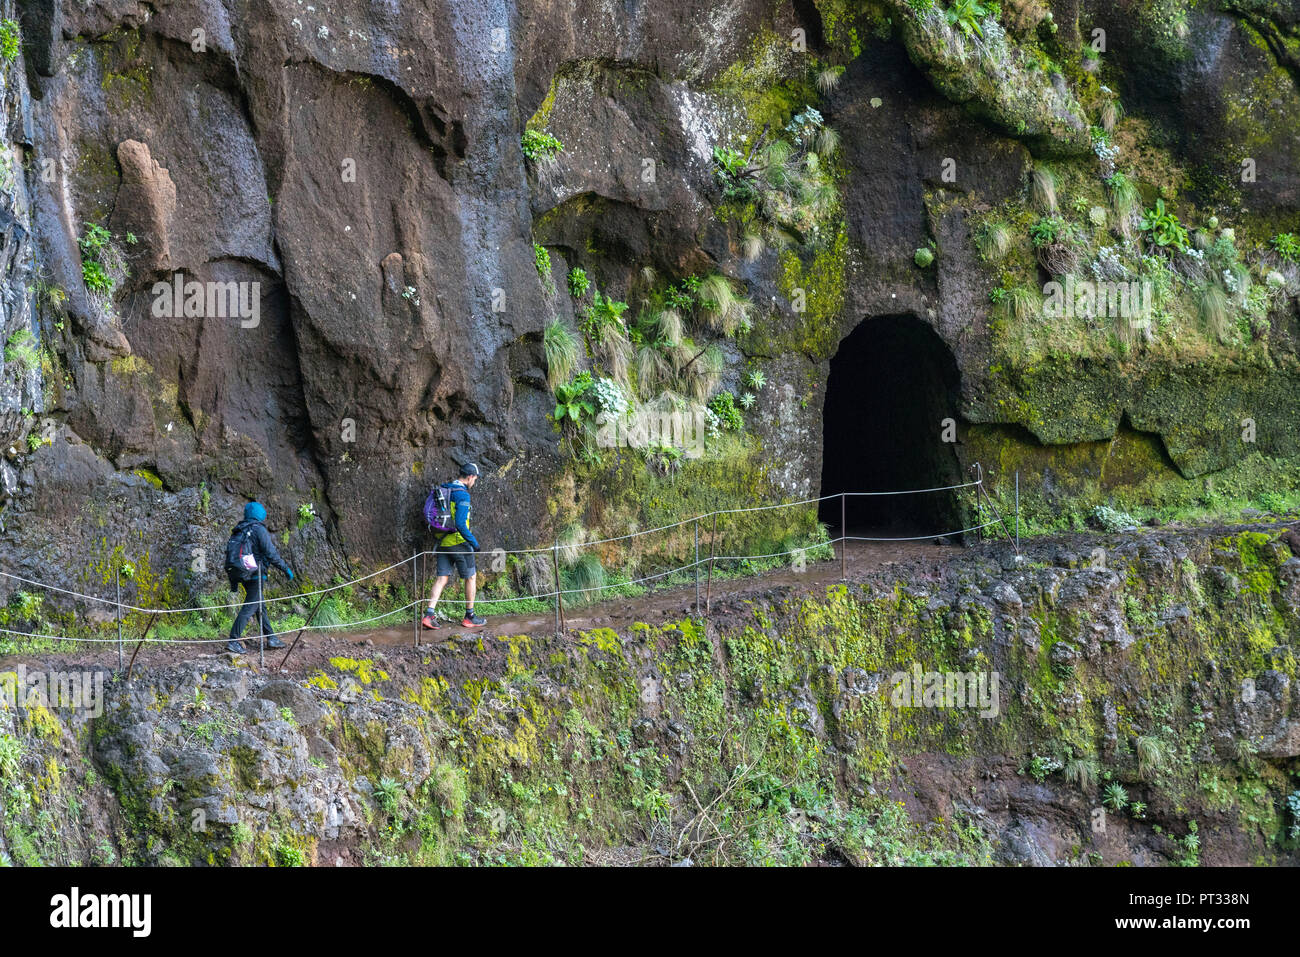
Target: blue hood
254,512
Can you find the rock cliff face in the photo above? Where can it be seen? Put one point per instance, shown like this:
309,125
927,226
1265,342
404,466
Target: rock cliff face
353,171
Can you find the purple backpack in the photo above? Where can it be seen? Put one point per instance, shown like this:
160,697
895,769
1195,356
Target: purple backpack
437,509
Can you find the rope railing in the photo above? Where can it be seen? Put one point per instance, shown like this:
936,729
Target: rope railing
557,593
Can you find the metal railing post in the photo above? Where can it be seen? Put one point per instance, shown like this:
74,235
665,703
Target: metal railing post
697,568
559,598
844,538
713,550
993,509
120,662
415,594
1017,510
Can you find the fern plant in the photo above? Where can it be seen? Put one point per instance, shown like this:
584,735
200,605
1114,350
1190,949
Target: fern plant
966,15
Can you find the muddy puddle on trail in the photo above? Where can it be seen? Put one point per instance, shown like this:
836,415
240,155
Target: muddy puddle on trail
917,561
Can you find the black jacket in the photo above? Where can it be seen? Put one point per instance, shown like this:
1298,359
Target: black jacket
263,547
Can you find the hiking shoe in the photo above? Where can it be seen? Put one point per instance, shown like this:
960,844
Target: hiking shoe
473,621
235,647
429,621
274,642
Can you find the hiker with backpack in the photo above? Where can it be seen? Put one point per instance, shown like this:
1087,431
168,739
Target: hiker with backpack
447,512
249,552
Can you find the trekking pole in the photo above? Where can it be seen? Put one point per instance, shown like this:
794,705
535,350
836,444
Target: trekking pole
415,595
261,620
118,573
844,538
1001,521
713,548
298,636
697,568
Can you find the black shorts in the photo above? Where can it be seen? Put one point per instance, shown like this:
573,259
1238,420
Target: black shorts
460,557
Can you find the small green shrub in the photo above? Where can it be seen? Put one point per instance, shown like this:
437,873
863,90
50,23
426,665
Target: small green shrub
723,405
21,350
100,257
734,175
1111,519
603,312
10,40
538,145
96,277
1047,231
573,402
1040,768
578,282
1287,246
387,792
542,259
288,856
11,753
1163,227
923,257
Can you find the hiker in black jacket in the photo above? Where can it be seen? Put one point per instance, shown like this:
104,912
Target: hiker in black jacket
249,553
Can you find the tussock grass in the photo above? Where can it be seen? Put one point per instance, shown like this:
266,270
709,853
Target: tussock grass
1112,111
828,141
994,240
560,345
1042,189
721,308
829,79
612,345
1216,312
652,368
1024,303
1152,755
1082,772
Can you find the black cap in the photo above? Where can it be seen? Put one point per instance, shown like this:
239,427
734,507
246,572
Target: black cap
468,469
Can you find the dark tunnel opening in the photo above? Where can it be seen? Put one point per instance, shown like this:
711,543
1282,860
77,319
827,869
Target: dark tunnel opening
892,384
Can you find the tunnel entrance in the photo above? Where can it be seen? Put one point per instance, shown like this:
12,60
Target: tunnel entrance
892,383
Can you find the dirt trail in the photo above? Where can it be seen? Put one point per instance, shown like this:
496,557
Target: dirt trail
316,648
